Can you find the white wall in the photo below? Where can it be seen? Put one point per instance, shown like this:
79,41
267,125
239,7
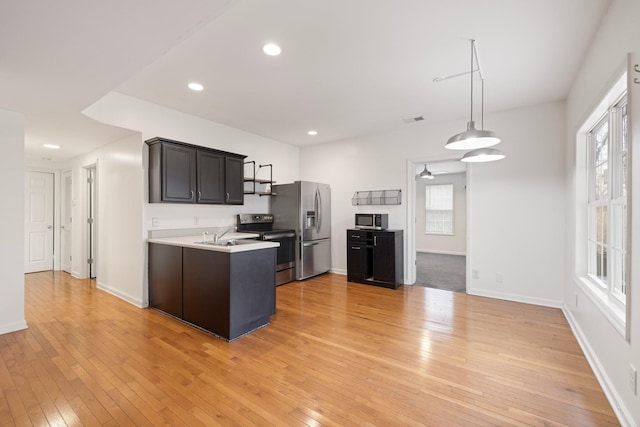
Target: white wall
120,250
12,224
610,354
443,244
153,120
516,205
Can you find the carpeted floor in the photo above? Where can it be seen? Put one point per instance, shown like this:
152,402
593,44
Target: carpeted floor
440,271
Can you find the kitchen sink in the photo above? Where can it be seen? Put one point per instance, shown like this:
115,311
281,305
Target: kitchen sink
231,242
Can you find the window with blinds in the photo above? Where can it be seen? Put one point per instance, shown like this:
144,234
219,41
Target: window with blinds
439,209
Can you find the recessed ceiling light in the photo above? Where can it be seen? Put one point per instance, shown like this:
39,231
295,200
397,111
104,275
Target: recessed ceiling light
271,49
195,86
312,132
52,146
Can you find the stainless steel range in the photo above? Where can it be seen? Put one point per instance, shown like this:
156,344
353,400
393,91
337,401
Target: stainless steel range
262,224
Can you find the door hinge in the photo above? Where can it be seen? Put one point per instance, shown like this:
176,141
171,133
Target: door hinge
89,180
89,220
89,260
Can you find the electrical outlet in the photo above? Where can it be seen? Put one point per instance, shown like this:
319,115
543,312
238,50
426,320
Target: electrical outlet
475,274
633,379
155,222
499,277
576,300
196,220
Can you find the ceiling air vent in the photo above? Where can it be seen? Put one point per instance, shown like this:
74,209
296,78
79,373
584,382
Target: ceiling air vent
413,119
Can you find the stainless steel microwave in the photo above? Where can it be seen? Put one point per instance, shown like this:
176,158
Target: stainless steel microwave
372,221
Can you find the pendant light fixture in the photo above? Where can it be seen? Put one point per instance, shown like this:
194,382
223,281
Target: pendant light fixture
473,138
426,174
482,155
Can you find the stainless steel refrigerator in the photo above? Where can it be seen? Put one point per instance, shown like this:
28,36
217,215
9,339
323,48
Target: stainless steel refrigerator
306,208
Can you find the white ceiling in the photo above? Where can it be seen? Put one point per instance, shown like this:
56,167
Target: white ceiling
347,68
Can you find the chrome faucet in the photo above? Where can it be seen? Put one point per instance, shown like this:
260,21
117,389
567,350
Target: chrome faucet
204,236
217,235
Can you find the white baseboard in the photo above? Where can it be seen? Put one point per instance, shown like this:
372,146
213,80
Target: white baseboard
123,296
426,251
623,414
13,327
516,298
338,271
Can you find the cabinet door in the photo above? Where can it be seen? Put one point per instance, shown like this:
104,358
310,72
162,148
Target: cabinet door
178,173
206,281
165,278
234,174
356,261
384,257
210,177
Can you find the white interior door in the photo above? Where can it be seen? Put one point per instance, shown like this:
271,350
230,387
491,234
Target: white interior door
65,235
38,222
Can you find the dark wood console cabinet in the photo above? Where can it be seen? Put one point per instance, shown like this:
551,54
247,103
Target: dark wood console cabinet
375,257
185,173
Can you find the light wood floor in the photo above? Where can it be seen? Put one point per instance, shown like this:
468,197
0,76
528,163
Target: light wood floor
335,354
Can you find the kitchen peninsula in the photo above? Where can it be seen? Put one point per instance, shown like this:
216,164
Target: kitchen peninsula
225,287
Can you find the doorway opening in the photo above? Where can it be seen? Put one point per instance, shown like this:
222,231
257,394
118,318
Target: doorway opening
92,235
438,226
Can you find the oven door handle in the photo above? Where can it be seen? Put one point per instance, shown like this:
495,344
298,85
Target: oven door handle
287,235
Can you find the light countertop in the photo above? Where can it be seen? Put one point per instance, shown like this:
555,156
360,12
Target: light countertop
195,242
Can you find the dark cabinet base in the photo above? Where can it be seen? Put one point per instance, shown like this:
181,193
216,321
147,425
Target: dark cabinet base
229,295
375,257
165,272
226,294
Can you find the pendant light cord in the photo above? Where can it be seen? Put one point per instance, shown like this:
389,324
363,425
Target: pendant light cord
482,105
472,42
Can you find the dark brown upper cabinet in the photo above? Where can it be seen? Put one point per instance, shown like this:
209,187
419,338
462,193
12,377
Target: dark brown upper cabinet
185,173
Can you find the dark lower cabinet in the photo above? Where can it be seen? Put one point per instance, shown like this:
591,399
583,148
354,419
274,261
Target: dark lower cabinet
165,273
228,294
375,257
359,254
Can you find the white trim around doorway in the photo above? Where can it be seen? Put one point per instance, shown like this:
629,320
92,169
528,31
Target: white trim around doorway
410,241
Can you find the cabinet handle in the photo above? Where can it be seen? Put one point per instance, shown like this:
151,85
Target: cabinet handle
199,195
375,240
355,247
227,199
192,194
355,236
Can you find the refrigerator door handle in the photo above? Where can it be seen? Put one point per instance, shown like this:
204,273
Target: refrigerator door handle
319,209
307,244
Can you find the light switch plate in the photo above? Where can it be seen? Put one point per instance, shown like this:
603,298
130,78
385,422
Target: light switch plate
633,379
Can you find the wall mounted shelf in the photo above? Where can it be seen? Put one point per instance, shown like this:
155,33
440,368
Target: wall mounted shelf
266,183
377,197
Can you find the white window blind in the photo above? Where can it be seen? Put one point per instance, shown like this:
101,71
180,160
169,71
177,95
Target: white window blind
439,209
